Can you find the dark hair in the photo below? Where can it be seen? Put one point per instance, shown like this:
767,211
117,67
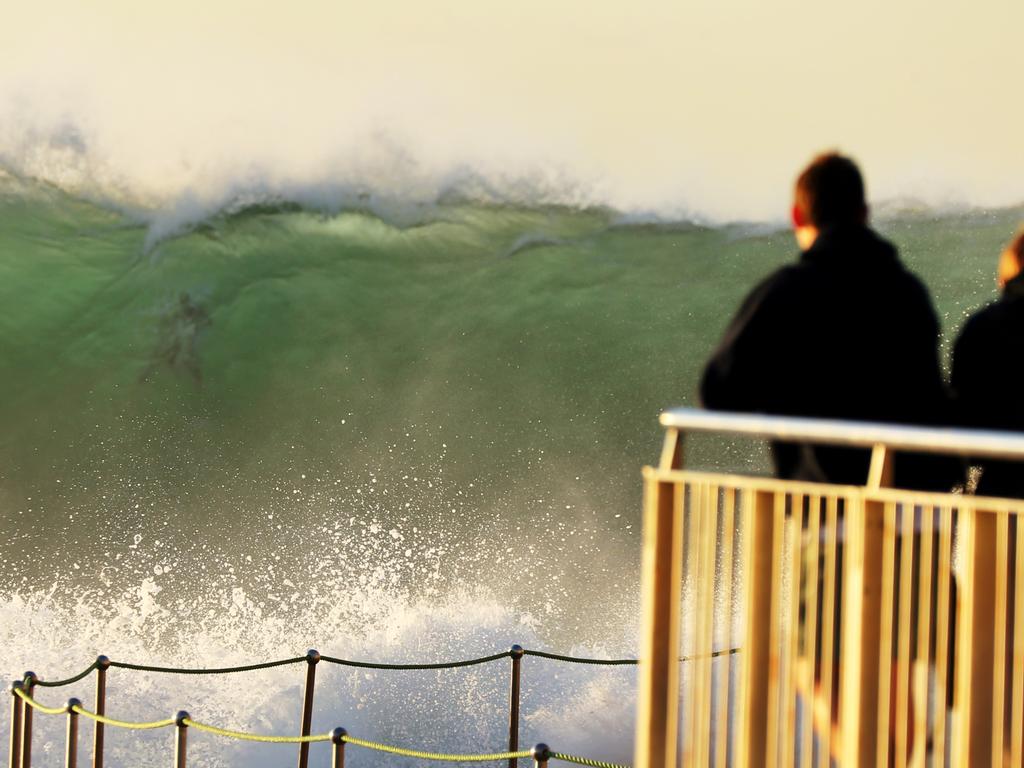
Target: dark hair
830,191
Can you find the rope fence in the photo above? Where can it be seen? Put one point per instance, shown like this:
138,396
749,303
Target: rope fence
24,703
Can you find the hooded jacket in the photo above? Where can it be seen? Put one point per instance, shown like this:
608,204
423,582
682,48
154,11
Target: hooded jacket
845,333
988,381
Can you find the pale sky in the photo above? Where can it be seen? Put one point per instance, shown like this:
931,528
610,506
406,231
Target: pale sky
709,106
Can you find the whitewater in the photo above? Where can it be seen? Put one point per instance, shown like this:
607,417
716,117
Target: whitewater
392,430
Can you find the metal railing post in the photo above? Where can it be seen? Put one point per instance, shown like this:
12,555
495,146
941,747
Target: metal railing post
26,721
338,752
181,738
312,658
541,754
102,665
17,710
71,740
516,654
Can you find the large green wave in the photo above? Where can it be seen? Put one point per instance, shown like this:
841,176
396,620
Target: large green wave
490,376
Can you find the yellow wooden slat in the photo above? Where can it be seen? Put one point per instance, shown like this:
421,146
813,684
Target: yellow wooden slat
810,638
692,533
1017,717
705,641
792,630
902,720
885,637
725,665
774,638
925,620
999,649
828,634
942,635
658,672
759,587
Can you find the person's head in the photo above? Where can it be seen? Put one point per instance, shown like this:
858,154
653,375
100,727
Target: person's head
1011,262
829,193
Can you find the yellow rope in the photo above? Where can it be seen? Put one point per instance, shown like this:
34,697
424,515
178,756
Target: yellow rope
124,723
433,755
40,707
92,715
255,736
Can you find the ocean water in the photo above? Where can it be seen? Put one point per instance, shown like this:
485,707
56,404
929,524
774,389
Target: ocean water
393,436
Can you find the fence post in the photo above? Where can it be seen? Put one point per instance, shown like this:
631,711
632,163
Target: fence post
541,754
102,665
516,654
181,738
657,718
71,740
861,609
762,588
975,642
17,709
338,754
312,658
26,721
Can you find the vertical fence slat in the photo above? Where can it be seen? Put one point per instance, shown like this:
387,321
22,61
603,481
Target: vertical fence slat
943,613
705,586
792,630
885,664
759,587
775,630
810,639
693,547
658,673
1017,731
861,614
975,642
904,626
999,644
828,635
725,665
924,638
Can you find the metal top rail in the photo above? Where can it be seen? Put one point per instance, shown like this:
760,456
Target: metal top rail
864,434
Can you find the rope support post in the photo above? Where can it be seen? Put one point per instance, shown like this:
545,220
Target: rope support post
338,747
541,754
102,665
28,687
516,653
71,739
312,659
181,738
17,712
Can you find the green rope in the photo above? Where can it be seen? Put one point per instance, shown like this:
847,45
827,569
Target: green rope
450,758
620,662
255,736
207,671
585,761
69,681
439,665
579,659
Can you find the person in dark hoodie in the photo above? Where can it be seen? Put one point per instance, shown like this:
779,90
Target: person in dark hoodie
988,369
847,332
